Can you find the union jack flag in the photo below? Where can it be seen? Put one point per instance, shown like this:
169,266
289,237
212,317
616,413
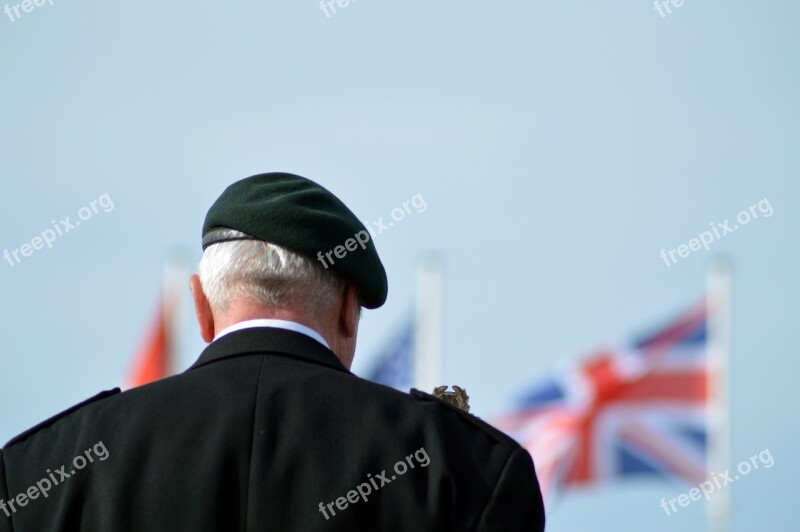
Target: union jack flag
631,411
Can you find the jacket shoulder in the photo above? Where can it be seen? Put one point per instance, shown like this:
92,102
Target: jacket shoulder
469,419
46,423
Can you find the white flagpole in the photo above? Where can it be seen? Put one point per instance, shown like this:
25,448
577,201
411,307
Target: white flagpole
428,336
176,282
719,352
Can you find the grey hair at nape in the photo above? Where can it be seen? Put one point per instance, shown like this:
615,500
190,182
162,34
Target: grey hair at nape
266,274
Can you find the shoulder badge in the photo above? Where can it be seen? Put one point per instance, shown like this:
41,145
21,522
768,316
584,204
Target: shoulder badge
457,398
458,401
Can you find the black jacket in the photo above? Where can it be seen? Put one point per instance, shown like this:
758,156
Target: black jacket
267,431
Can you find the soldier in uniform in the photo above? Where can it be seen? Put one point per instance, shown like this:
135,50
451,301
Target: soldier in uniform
269,430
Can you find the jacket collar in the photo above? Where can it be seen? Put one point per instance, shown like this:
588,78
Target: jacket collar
269,341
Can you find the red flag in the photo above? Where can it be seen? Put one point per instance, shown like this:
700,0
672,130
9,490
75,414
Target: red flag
154,358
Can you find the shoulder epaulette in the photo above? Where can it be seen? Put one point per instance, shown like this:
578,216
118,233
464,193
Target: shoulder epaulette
50,421
474,420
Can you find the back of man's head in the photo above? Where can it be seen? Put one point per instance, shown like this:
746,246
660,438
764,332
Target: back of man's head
281,246
265,274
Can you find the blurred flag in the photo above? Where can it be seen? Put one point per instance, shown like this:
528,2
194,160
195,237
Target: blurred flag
153,360
395,365
637,410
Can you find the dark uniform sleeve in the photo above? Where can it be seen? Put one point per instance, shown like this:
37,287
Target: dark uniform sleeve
5,521
516,504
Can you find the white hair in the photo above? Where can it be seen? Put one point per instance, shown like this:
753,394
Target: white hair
265,273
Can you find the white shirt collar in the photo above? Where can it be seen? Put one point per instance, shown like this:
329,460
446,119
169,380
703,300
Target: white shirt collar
276,324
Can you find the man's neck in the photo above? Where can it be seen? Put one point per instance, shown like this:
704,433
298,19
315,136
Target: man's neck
241,311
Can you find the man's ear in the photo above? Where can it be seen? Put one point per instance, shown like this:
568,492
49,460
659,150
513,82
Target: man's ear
202,309
349,312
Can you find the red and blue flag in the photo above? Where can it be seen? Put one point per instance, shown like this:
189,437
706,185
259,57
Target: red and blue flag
637,410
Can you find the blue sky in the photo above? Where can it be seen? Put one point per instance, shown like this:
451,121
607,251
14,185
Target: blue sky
559,147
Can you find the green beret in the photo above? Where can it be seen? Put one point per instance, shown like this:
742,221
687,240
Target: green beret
304,217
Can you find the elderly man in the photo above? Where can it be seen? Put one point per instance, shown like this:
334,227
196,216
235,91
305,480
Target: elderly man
269,430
